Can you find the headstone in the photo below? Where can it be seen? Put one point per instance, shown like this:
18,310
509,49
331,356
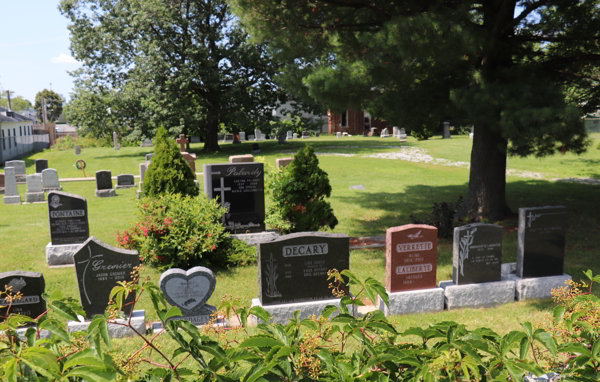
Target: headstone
472,134
290,134
410,257
191,160
116,143
228,138
189,291
125,181
477,253
99,267
250,137
248,158
283,162
77,150
318,134
40,165
220,137
143,169
541,246
384,133
1,183
67,218
372,132
295,136
11,194
305,134
257,135
146,143
242,136
293,268
338,135
104,187
50,181
255,148
402,133
195,140
149,157
345,134
181,141
263,137
240,189
31,286
34,193
19,166
447,130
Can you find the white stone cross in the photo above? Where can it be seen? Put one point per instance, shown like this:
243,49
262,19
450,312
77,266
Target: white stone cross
222,189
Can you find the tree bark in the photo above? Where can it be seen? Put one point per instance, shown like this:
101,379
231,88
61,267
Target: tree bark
487,176
211,139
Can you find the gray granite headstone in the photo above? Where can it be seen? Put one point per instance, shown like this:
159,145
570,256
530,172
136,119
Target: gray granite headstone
99,267
19,167
541,246
143,168
11,194
67,218
289,134
77,150
50,179
146,143
103,180
477,253
40,165
189,291
242,136
149,157
293,268
31,285
34,183
125,181
195,140
116,143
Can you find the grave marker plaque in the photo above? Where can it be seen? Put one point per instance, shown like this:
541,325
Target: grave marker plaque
31,285
240,187
99,267
189,291
68,218
541,246
293,268
410,259
477,253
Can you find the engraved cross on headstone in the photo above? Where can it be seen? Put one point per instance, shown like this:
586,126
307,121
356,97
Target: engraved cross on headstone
222,189
182,140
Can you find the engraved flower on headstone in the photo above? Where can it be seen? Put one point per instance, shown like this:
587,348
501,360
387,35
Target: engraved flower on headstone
272,277
465,244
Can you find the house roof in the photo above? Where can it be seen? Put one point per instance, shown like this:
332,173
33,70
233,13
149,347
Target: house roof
14,116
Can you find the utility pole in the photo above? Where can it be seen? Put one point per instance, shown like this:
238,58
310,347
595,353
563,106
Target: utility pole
44,115
8,97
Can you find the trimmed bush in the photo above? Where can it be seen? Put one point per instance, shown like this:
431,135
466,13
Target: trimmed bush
169,172
298,193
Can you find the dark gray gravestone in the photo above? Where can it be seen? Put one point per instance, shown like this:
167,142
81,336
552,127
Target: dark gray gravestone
67,218
146,143
541,247
189,291
240,188
40,165
125,181
103,180
477,253
293,268
99,267
77,150
255,148
31,285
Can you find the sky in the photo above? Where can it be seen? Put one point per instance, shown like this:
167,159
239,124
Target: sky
34,49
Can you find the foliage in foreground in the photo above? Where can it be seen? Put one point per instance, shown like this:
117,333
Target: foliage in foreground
298,192
184,231
304,349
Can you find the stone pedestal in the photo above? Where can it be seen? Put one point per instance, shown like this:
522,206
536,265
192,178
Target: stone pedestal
256,238
16,199
537,287
33,197
48,189
106,193
21,333
61,254
21,178
138,321
481,295
414,301
283,312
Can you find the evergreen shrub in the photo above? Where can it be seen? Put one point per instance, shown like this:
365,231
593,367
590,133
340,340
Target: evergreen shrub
169,172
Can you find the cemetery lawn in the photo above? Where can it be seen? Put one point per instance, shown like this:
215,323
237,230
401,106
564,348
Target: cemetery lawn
393,190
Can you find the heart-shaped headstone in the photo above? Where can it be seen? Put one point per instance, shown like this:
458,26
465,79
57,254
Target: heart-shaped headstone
189,290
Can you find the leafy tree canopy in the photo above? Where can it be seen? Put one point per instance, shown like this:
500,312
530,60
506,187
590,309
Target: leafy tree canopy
18,103
54,105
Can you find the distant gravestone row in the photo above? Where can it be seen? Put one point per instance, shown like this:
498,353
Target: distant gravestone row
45,179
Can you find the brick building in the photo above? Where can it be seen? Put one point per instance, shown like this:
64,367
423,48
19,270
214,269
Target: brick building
354,122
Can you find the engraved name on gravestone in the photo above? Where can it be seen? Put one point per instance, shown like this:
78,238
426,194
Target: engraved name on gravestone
31,286
240,188
103,180
293,268
41,165
189,291
541,246
99,267
410,258
477,253
68,218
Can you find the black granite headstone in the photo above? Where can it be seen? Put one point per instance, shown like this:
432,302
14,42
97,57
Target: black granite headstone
541,247
293,268
477,253
125,180
255,148
67,218
99,267
31,286
103,180
40,165
240,187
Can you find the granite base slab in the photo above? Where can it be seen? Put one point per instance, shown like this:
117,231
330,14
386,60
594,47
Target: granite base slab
414,301
481,295
22,178
106,193
16,199
256,238
138,322
21,333
33,197
1,190
537,287
48,189
127,186
281,313
61,254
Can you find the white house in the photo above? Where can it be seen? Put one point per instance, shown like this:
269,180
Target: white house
16,135
282,111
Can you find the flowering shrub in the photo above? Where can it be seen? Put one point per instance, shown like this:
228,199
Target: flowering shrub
182,231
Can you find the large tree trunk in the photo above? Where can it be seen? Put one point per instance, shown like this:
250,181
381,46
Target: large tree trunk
211,138
487,177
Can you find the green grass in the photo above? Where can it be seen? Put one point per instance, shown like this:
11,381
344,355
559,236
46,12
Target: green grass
394,190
